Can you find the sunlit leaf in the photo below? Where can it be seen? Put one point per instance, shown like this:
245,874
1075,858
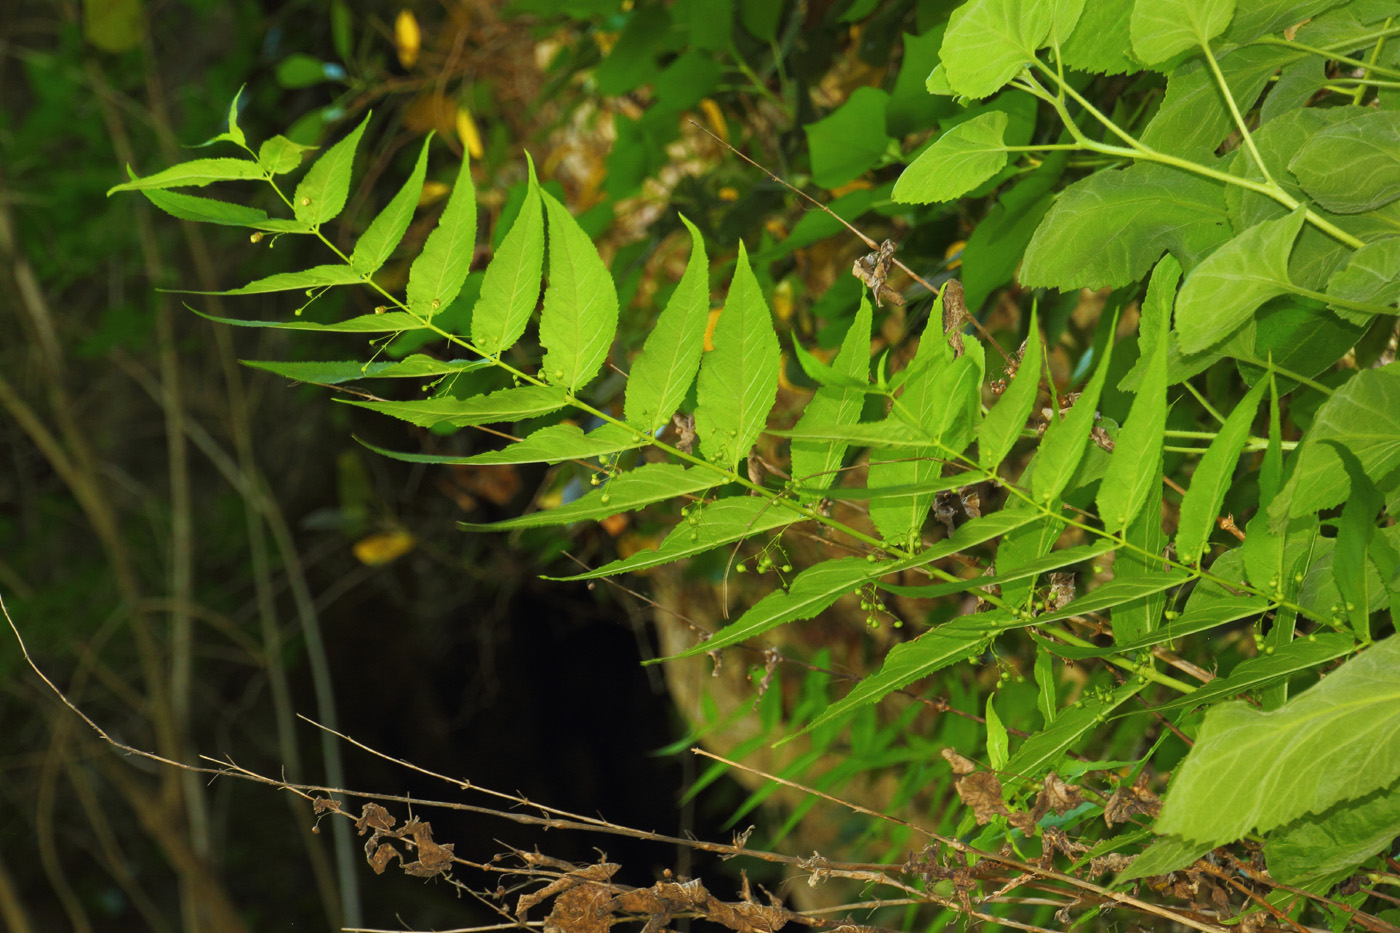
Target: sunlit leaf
326,185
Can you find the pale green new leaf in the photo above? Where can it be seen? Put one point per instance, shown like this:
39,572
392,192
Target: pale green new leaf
511,287
1316,853
989,41
1227,287
1040,753
1253,771
811,591
388,323
205,210
514,404
1128,478
1305,654
580,304
664,370
708,527
1353,166
280,155
1163,28
1065,440
377,243
436,276
625,492
815,462
1116,593
739,378
960,160
193,174
316,277
1212,478
336,372
1007,418
553,444
326,185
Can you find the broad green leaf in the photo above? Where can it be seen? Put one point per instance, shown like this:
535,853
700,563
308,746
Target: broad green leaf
1040,753
205,210
377,243
315,277
1223,291
1065,440
553,444
388,323
280,155
739,377
326,185
1305,654
511,287
912,107
1029,542
1116,593
1372,276
625,492
914,660
1163,28
515,404
1007,418
1364,416
336,372
1064,557
1128,480
958,161
1109,228
1254,771
665,369
708,527
1315,853
193,174
815,462
1101,41
851,140
1213,476
998,743
989,41
977,531
580,304
810,592
993,252
1064,17
436,276
235,132
1165,855
1352,166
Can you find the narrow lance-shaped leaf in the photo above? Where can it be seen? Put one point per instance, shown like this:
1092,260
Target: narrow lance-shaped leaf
625,492
315,277
1355,528
1064,443
514,404
1128,478
1116,593
1212,477
335,372
1046,696
554,444
377,243
1162,28
960,160
436,276
280,155
193,174
390,323
1223,291
1302,655
739,378
205,210
664,370
511,287
815,462
1039,753
326,185
998,742
1004,422
580,304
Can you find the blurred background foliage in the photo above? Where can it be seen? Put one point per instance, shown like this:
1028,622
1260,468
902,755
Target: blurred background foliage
196,551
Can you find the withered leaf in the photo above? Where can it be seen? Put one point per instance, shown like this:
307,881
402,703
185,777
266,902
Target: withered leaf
982,792
959,764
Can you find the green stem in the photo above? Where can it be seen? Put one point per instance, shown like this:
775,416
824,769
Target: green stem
1238,117
1332,56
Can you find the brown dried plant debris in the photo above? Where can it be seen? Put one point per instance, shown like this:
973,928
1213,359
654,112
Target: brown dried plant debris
1127,802
434,858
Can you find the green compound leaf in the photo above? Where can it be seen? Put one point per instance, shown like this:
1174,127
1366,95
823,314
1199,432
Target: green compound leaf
377,243
815,462
960,160
580,305
1212,478
739,377
1163,28
193,174
849,141
280,155
989,41
663,372
1224,291
1007,418
315,277
626,492
811,591
389,323
515,404
436,276
553,444
511,287
1041,752
1107,230
205,210
1253,771
336,372
1067,438
1352,166
1131,469
1317,852
326,185
711,526
1305,654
